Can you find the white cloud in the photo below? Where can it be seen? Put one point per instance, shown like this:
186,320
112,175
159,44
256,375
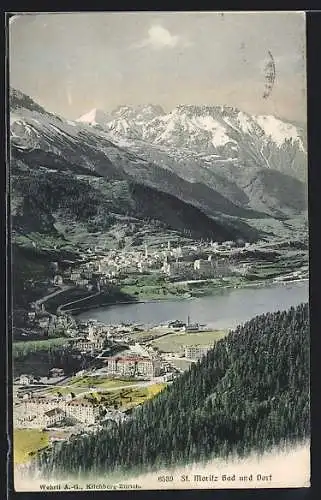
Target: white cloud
160,38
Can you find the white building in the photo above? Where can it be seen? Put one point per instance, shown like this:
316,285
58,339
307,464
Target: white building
82,282
25,379
83,410
133,366
203,266
173,268
74,276
191,327
43,322
196,351
56,372
58,280
210,268
53,417
45,411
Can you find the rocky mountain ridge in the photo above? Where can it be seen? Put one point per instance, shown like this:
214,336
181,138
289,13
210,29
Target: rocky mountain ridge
261,141
45,143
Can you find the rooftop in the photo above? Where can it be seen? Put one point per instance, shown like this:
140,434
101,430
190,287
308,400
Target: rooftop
130,358
52,413
82,402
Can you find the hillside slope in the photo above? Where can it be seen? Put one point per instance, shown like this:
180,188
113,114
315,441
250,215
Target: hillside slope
250,393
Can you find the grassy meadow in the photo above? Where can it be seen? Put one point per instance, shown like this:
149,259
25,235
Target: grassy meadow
176,341
27,442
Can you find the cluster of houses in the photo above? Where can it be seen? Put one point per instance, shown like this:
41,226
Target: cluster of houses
91,337
199,268
116,263
109,265
52,411
46,411
95,338
187,327
49,324
100,268
54,373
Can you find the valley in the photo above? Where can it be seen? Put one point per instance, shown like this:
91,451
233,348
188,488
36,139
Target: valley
139,240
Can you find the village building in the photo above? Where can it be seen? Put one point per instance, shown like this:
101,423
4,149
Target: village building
204,267
58,280
83,410
176,324
53,417
174,268
81,281
31,315
196,351
85,344
56,372
211,269
133,366
192,327
82,344
44,322
25,379
47,411
30,412
87,275
75,275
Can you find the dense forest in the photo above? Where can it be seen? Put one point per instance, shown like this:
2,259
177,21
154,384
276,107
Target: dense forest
38,357
45,193
250,392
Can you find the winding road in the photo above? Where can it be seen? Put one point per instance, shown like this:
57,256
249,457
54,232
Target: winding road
44,299
60,308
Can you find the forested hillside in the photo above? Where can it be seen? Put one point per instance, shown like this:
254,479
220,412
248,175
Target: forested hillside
41,198
250,392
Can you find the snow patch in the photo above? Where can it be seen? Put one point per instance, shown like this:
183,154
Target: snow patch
94,117
278,130
245,122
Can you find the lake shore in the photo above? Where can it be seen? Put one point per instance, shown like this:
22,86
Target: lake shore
227,309
171,297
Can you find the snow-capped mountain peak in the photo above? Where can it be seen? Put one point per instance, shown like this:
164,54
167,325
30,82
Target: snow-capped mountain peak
139,113
278,130
201,127
221,130
204,109
94,117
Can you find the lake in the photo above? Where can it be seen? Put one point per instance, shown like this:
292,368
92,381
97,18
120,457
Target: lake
227,309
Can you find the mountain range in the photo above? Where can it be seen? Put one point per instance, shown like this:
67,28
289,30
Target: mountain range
198,171
219,146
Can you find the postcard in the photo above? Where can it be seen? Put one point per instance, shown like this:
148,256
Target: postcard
159,242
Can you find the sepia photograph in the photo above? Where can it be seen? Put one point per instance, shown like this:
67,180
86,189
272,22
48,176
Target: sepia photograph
159,242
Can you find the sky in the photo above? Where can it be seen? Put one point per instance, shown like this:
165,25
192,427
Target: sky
73,62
